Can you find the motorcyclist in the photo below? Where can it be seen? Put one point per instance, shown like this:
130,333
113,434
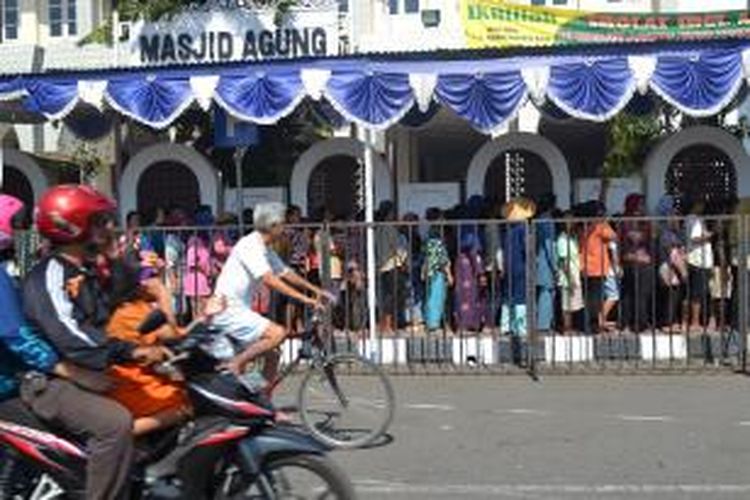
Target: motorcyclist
253,263
21,349
155,400
64,299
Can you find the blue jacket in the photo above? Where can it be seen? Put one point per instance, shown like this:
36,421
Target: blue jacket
546,262
514,255
21,349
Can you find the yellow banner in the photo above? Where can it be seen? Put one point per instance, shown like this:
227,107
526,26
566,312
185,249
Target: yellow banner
500,24
497,24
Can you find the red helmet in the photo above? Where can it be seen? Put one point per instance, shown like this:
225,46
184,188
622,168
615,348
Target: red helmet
64,213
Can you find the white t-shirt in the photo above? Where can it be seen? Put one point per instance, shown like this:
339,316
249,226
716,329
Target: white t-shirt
700,255
243,272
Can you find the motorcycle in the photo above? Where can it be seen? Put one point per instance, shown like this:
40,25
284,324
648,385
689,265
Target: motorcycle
232,448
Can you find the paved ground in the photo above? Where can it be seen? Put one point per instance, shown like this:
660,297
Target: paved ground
667,437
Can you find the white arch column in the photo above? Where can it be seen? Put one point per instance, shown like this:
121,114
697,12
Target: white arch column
338,146
208,182
544,148
28,167
658,161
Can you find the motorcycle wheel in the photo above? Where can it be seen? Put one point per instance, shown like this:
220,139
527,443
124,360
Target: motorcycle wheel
276,481
20,481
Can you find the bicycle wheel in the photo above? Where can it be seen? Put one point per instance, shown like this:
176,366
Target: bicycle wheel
346,402
287,476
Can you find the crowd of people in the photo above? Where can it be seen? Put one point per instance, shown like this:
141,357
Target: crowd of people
481,265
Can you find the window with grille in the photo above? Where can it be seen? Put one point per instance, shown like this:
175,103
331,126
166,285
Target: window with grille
166,185
515,173
334,185
701,172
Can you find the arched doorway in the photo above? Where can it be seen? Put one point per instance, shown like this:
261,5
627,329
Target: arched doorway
16,184
187,160
23,176
540,161
299,185
334,185
681,164
701,172
168,184
517,172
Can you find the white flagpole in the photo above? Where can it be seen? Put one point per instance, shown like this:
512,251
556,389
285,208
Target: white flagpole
369,220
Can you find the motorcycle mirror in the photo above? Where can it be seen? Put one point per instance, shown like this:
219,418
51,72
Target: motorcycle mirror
155,320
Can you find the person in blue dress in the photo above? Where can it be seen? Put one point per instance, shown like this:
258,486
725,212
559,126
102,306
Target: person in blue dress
516,212
546,263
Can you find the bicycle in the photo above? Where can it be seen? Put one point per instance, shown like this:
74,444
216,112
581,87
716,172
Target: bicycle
326,374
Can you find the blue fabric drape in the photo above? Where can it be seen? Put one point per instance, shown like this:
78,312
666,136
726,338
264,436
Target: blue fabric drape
52,98
261,97
700,81
487,101
154,101
699,84
372,99
592,90
11,88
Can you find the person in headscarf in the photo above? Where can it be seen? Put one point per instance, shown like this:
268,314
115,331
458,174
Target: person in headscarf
391,255
673,273
513,288
546,263
638,268
471,284
196,282
436,273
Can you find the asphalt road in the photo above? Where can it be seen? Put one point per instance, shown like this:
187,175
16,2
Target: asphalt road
597,437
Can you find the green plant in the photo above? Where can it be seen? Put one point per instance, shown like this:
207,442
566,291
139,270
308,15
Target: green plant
88,161
628,139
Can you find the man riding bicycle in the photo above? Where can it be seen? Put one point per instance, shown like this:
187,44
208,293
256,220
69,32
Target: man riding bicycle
252,264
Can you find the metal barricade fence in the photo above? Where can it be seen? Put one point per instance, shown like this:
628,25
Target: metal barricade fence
573,295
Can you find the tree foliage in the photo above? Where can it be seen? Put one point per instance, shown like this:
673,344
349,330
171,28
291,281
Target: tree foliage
629,138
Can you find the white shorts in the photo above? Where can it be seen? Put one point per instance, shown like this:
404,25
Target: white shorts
238,328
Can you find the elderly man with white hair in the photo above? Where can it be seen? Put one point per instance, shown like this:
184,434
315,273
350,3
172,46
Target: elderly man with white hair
251,264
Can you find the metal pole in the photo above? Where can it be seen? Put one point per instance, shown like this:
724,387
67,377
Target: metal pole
2,167
117,166
239,154
369,220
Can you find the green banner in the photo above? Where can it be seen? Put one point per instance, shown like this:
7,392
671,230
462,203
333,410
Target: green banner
499,24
